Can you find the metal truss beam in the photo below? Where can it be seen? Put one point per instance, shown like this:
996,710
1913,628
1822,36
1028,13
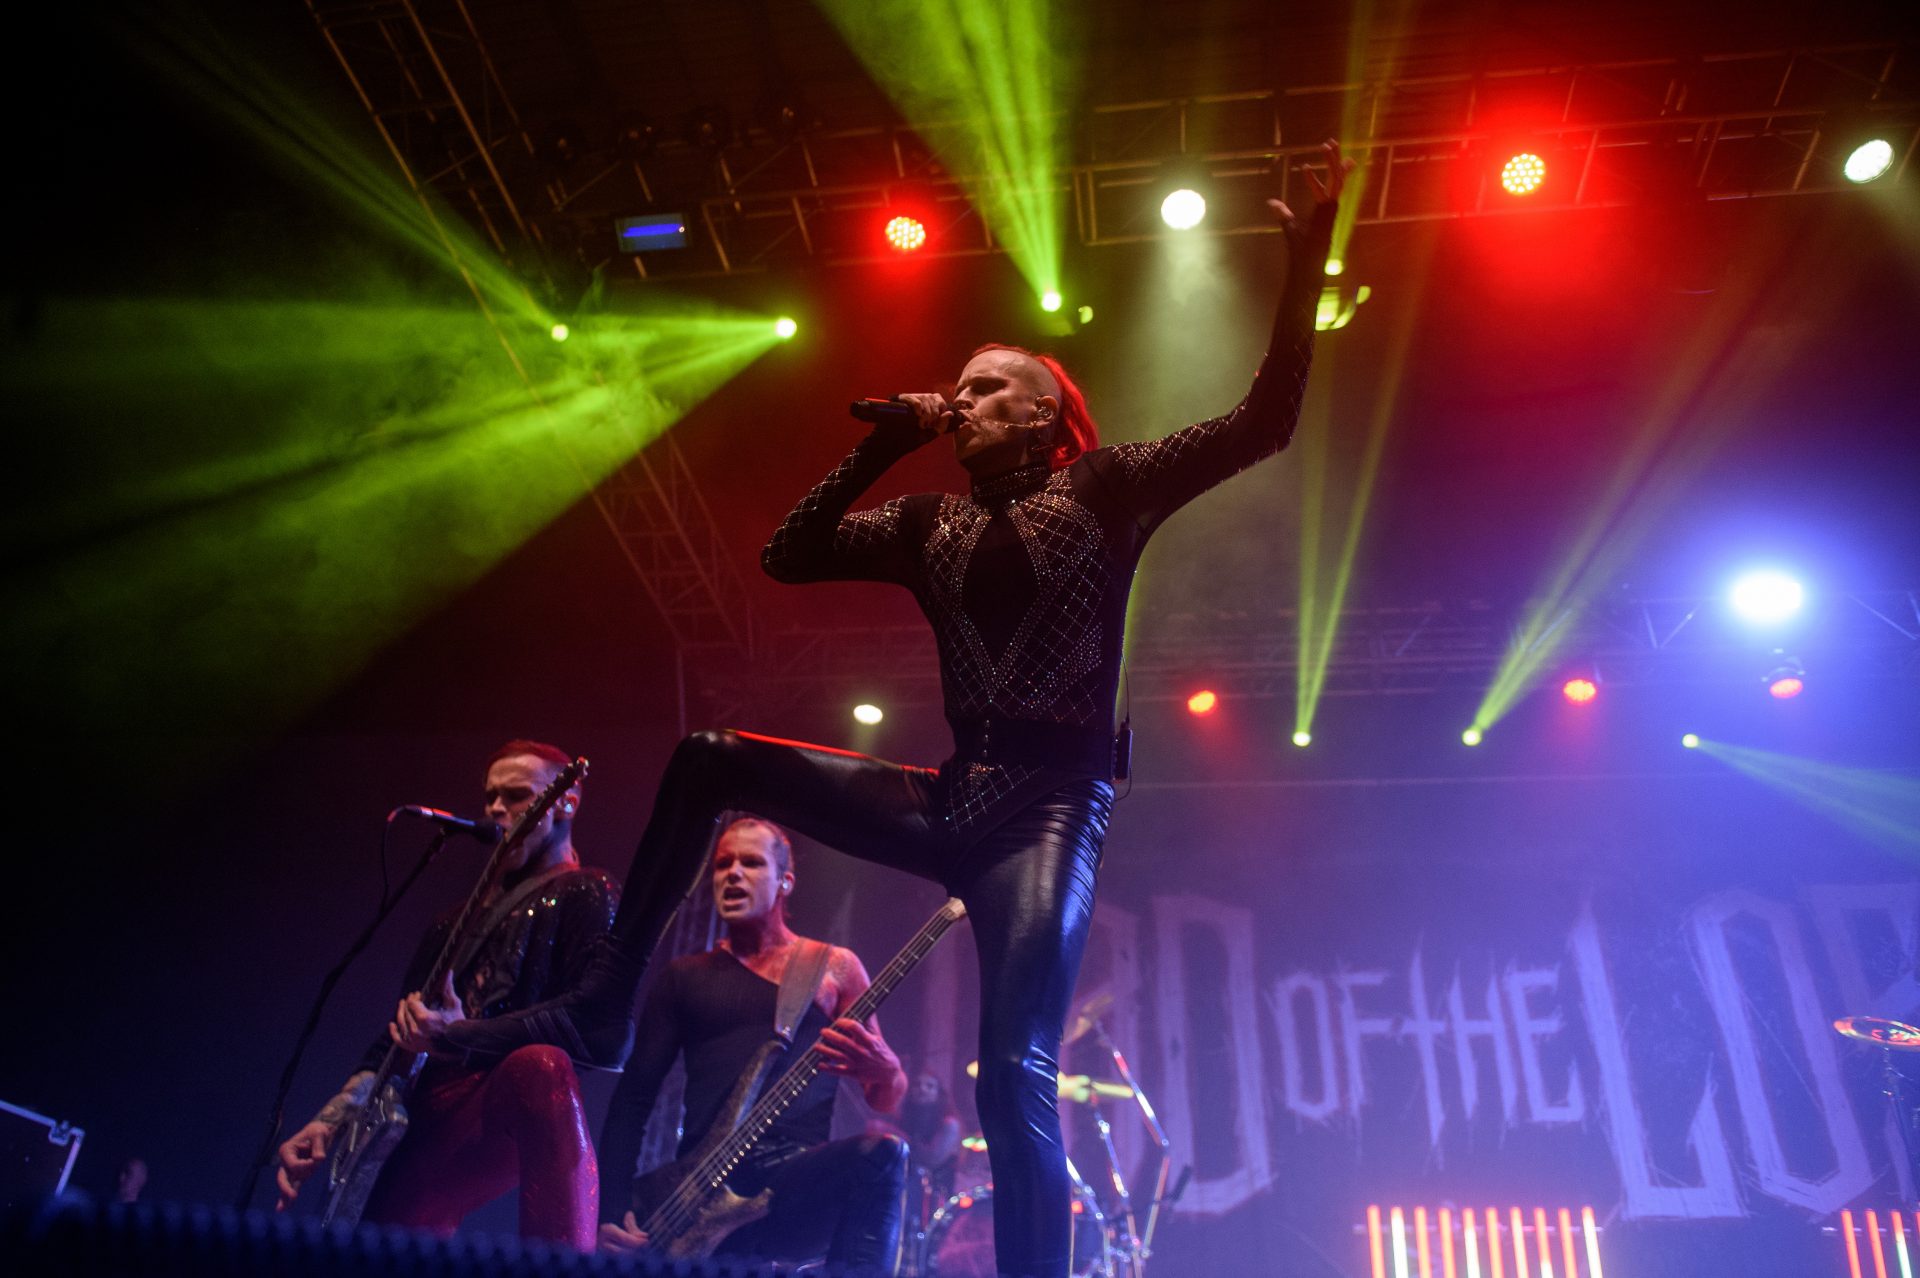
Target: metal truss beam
1411,651
1720,127
433,93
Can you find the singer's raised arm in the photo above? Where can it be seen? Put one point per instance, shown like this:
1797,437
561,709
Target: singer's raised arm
1154,478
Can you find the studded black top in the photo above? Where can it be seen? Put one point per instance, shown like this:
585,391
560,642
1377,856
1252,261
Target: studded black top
510,989
1025,578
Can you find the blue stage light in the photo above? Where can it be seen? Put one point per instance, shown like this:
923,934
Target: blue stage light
1767,596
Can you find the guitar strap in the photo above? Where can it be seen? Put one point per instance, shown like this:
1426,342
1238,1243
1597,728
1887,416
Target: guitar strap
502,910
798,985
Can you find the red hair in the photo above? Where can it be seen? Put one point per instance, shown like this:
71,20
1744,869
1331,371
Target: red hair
1077,434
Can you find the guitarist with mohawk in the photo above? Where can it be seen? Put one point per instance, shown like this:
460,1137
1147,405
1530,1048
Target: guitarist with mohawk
498,1102
718,1009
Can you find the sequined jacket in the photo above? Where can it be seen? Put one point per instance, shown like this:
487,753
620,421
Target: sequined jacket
1025,578
510,989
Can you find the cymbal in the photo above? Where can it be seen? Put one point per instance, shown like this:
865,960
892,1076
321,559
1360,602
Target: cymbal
1086,1016
1879,1029
1077,1087
1081,1088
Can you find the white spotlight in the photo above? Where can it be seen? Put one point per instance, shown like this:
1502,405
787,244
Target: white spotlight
867,714
1766,597
1184,209
1869,160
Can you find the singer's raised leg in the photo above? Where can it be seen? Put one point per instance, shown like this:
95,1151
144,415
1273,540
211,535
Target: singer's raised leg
877,811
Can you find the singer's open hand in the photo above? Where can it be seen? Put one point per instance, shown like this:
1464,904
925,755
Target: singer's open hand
1327,192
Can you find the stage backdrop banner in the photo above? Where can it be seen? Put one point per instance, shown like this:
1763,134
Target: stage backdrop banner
1610,993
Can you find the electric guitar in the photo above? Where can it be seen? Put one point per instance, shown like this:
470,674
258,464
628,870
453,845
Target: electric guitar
368,1136
685,1207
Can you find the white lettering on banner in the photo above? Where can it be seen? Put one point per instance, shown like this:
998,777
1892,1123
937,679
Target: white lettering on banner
1424,1030
1529,1031
1354,1028
1717,1194
1511,1037
1232,927
1849,1174
1286,1021
1894,910
1464,1029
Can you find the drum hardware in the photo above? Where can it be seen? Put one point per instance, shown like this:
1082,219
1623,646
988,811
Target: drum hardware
959,1238
1079,1088
1131,1244
1891,1036
1124,1245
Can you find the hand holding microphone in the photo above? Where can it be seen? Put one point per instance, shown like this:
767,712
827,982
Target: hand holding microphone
923,415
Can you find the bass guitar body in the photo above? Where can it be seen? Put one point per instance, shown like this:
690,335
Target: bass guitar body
719,1212
686,1206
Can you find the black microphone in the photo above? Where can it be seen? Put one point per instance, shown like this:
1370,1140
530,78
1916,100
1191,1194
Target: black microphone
891,412
485,831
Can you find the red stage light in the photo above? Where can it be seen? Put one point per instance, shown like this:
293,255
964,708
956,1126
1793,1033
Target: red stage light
1203,701
906,234
1523,174
1579,691
1786,687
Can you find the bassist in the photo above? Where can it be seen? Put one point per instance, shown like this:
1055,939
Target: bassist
498,1104
717,1009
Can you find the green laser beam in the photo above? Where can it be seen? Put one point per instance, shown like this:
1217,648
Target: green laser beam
985,83
256,574
255,487
1882,806
1724,370
1326,578
191,53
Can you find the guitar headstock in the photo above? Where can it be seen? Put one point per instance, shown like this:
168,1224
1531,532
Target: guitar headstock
954,910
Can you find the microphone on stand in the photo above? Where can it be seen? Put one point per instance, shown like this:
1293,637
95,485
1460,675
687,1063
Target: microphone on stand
485,831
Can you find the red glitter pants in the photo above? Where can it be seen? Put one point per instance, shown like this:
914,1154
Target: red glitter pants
473,1135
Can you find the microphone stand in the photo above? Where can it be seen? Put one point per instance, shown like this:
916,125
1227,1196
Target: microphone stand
276,1115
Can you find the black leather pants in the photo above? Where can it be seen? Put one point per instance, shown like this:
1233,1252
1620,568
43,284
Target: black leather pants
1028,886
842,1200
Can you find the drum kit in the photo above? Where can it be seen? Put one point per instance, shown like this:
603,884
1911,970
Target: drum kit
1112,1235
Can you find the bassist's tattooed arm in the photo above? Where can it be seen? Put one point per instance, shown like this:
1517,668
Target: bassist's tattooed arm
352,1098
307,1148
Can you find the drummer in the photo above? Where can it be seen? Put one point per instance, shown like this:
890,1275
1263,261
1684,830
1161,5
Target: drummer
929,1122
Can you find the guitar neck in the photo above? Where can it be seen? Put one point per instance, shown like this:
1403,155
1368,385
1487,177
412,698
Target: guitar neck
490,875
788,1087
398,1061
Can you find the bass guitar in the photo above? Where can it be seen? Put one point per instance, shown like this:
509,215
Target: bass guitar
686,1208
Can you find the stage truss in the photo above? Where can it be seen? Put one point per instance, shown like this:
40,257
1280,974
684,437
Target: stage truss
1623,641
1733,124
1648,132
